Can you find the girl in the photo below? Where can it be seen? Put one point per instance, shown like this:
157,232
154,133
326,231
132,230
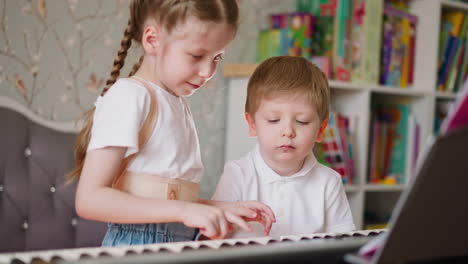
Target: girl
152,197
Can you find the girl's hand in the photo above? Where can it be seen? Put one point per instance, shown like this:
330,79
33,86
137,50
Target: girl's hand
248,211
210,220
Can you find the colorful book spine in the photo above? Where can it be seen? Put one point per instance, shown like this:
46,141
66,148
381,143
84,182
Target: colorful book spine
386,51
464,65
398,47
453,31
317,7
412,149
397,168
374,174
366,40
322,39
341,50
456,63
269,44
323,63
335,150
412,53
450,54
300,26
341,123
405,39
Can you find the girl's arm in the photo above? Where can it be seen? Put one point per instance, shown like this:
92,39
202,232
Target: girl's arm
97,200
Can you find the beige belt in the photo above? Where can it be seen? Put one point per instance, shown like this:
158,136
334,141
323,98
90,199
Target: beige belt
152,186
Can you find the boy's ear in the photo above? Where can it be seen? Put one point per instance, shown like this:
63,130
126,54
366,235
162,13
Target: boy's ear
321,131
150,39
251,123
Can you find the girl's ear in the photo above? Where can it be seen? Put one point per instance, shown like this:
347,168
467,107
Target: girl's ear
321,131
251,123
150,40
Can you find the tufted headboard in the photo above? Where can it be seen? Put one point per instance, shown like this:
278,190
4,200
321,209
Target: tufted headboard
36,207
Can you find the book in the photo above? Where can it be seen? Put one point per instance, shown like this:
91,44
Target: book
317,7
455,64
411,147
269,44
405,39
453,28
399,36
341,44
374,147
337,147
342,123
443,39
366,40
388,150
458,114
386,50
463,68
449,57
324,63
412,53
397,167
322,39
289,34
456,19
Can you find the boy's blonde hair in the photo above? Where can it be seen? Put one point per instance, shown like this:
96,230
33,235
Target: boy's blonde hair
167,14
291,76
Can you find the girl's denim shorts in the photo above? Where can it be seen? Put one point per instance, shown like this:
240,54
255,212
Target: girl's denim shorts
137,234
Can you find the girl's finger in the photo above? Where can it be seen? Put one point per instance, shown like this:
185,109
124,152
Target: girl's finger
245,212
223,226
238,221
267,224
264,208
211,230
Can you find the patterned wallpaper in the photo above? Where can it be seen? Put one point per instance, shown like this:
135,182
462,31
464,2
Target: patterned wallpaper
56,54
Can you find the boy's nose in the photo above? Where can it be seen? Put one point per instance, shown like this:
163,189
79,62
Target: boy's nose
288,131
207,70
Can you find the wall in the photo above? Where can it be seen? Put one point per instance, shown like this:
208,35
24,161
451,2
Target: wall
55,56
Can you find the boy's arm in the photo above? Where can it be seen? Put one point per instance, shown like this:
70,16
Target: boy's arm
337,211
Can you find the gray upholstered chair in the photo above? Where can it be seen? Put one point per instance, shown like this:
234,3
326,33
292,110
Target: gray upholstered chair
36,208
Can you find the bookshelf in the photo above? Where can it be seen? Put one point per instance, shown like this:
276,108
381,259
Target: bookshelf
355,99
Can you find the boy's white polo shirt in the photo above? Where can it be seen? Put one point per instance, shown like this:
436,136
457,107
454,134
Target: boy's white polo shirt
310,201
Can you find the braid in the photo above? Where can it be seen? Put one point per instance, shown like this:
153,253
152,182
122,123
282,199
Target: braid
119,60
136,66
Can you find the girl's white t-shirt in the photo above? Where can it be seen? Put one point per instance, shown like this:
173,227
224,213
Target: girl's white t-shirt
172,151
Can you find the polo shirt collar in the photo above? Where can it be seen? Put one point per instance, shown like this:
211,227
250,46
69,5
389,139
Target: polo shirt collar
267,175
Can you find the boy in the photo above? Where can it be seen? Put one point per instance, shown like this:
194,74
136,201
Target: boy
287,110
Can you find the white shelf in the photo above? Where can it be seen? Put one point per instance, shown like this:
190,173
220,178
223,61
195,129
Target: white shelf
448,4
408,91
346,85
384,187
445,95
352,188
